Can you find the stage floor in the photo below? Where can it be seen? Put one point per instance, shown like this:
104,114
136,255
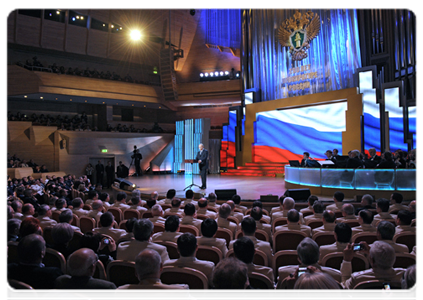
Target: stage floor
249,188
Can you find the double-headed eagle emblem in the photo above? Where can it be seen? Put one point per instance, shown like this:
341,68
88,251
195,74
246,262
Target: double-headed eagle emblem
297,33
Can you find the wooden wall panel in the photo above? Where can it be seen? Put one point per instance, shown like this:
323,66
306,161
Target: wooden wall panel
11,19
100,14
76,39
53,34
28,30
97,43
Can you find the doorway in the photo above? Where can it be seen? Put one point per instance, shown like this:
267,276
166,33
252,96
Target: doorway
104,160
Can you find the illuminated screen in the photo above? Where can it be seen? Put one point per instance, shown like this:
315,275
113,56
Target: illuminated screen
228,148
283,135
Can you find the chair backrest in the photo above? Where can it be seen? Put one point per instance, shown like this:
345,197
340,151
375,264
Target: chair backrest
47,235
131,213
75,242
214,209
121,272
122,224
278,222
261,235
260,281
158,227
314,224
233,220
324,238
54,258
202,217
172,248
287,240
147,215
393,221
189,228
75,220
285,258
334,260
407,238
260,258
87,207
19,290
415,222
265,221
307,213
368,237
209,253
86,224
404,260
224,233
352,223
55,215
177,275
370,290
165,206
12,252
117,213
100,271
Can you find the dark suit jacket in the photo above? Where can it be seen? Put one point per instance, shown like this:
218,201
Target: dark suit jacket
386,164
36,276
85,282
353,163
372,162
99,168
204,157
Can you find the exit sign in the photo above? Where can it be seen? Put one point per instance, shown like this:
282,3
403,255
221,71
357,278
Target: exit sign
104,150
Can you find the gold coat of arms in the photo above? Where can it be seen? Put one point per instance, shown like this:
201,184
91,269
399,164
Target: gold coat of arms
297,33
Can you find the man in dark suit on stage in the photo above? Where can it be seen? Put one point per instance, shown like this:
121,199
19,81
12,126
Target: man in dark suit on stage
203,162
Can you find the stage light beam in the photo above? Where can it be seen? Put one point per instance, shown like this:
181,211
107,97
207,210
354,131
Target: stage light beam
135,35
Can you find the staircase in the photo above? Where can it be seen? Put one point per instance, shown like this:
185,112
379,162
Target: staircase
269,169
167,75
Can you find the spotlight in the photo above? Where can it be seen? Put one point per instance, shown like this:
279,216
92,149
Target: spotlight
201,75
216,73
211,74
206,74
135,35
221,73
226,72
73,19
238,74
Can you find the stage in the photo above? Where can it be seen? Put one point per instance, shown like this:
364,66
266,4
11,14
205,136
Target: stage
249,188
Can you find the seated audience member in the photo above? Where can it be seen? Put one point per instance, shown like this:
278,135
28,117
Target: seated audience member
329,224
61,235
347,213
412,208
97,210
103,246
27,210
187,247
373,160
78,205
189,198
212,200
106,222
105,198
222,220
257,215
234,213
354,161
365,218
293,223
382,208
202,209
129,235
366,203
208,230
13,226
169,197
338,197
157,212
244,250
29,226
142,230
148,267
342,235
387,162
154,196
237,200
318,209
171,232
30,269
404,219
248,227
44,216
287,204
265,218
29,198
230,273
311,199
150,203
60,205
410,285
308,255
121,201
385,233
10,212
381,258
396,200
81,266
175,209
17,208
314,279
278,208
136,204
190,216
66,216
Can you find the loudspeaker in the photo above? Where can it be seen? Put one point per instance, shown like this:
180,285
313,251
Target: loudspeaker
124,184
225,194
269,198
298,194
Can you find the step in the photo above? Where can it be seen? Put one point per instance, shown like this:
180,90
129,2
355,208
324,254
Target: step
252,174
261,168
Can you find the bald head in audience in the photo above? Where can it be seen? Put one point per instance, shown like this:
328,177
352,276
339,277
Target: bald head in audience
82,263
157,210
288,203
148,264
224,211
347,210
97,205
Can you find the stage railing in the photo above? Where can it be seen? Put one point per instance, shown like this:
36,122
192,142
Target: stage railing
358,179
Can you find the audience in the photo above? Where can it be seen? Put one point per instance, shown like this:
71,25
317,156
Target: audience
338,197
207,238
230,273
365,219
171,233
382,208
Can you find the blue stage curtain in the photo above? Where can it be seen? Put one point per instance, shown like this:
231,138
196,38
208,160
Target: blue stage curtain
334,54
223,27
